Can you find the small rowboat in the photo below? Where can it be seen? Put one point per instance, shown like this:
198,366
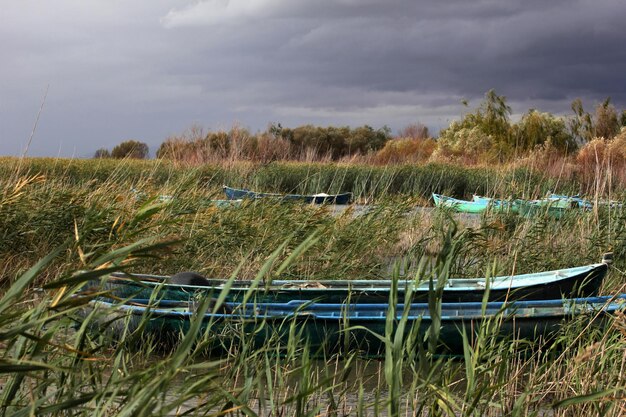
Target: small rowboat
566,201
511,206
333,327
462,206
554,203
477,205
554,206
580,281
236,194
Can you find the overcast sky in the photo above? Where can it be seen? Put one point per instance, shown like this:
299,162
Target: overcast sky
146,69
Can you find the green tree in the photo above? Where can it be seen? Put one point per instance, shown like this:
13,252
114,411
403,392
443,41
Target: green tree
365,139
581,125
607,124
488,126
130,149
102,153
173,148
493,116
537,128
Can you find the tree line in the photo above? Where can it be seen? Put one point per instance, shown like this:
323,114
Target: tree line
484,134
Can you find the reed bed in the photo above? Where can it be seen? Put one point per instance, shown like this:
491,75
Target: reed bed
62,224
368,183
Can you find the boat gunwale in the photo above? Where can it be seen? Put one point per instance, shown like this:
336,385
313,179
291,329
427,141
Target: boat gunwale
503,282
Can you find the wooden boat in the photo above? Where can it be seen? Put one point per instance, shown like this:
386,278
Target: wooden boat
327,327
343,198
570,282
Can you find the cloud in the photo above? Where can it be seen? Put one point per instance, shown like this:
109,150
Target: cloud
210,12
150,68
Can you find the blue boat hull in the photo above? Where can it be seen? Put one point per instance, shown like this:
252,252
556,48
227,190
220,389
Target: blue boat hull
330,328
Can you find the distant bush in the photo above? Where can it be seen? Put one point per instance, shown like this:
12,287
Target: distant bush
405,150
481,136
601,160
607,124
277,143
102,153
414,131
130,149
468,145
536,129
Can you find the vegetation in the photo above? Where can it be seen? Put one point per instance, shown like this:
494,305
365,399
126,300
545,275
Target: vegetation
277,143
484,136
65,222
127,149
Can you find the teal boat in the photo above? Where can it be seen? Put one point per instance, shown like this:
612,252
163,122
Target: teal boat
477,205
328,328
511,206
462,206
554,205
565,201
580,281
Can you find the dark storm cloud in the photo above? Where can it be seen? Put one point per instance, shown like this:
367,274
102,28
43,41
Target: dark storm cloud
152,68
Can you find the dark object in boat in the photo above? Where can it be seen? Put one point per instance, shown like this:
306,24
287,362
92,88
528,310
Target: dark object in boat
189,278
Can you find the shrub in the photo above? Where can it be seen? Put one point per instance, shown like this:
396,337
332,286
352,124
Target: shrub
602,159
464,144
102,153
130,149
536,129
406,150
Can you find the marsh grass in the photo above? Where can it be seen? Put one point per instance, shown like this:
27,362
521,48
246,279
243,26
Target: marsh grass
74,223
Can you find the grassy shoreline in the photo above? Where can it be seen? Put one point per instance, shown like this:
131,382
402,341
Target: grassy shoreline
366,182
81,216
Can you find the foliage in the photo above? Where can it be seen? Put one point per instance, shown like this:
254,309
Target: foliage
469,145
277,143
607,124
130,149
601,160
58,356
406,150
415,131
335,141
536,129
102,153
581,125
484,135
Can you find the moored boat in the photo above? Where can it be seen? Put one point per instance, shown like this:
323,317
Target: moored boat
570,201
569,282
553,205
476,205
328,327
463,206
322,198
